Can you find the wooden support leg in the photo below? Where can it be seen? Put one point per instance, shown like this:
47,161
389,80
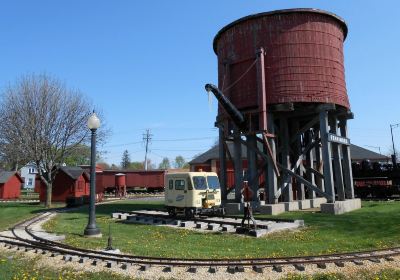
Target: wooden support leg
337,162
347,171
271,184
238,165
287,194
222,164
252,165
326,156
310,162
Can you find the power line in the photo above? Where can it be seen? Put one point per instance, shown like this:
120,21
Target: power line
124,144
183,139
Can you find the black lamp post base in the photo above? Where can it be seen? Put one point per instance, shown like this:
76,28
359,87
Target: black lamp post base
92,232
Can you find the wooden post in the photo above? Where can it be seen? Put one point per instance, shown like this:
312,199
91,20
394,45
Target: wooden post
222,163
326,156
337,162
252,164
271,184
238,164
347,171
310,161
288,193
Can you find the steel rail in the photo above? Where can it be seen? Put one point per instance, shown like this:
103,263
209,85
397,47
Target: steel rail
57,247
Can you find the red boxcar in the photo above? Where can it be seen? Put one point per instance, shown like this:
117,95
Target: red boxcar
151,180
10,184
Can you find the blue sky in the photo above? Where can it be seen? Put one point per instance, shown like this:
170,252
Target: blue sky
145,64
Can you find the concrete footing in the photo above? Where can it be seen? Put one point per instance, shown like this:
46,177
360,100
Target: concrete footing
304,204
291,206
340,207
316,202
233,208
272,209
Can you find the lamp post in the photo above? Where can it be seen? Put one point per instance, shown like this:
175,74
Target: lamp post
394,159
91,229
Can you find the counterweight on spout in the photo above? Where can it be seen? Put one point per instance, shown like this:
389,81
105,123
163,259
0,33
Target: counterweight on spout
237,117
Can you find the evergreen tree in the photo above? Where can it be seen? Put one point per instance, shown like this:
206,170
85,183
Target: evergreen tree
126,160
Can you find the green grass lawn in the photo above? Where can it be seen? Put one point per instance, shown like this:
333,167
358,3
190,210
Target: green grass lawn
12,213
376,225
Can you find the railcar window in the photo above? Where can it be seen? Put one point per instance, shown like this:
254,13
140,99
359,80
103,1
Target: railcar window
171,184
213,182
179,184
199,182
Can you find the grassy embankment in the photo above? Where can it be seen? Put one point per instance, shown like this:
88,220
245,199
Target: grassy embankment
376,225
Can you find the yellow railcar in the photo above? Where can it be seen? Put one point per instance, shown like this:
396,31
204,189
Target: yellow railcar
191,193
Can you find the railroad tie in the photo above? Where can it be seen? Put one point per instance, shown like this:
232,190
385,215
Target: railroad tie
109,264
321,265
64,258
258,269
339,264
83,259
212,269
95,262
358,262
239,268
375,260
192,269
231,269
389,259
277,268
144,267
299,267
124,266
168,268
44,252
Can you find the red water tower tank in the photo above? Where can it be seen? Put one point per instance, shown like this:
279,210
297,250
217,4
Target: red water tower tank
120,180
303,58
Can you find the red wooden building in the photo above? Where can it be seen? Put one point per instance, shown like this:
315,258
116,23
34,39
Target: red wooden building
69,182
10,184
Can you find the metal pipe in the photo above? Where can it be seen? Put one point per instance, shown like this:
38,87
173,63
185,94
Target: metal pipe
230,109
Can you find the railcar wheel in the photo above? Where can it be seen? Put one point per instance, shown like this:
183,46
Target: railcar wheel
172,212
189,213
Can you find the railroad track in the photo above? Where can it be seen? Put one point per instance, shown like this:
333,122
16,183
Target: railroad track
24,238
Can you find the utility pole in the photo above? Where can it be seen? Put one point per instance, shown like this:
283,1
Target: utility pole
394,158
146,139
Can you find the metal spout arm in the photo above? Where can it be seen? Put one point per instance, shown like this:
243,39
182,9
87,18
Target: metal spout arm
230,109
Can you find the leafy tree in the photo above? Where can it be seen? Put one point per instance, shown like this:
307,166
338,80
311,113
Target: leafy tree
165,164
103,165
179,162
136,165
126,160
43,121
80,155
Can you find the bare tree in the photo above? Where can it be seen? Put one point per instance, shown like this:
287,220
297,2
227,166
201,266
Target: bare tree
42,121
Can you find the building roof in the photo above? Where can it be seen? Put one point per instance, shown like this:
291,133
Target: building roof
6,175
74,172
357,154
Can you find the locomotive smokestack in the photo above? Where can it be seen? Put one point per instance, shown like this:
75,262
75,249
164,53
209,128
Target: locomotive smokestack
230,109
